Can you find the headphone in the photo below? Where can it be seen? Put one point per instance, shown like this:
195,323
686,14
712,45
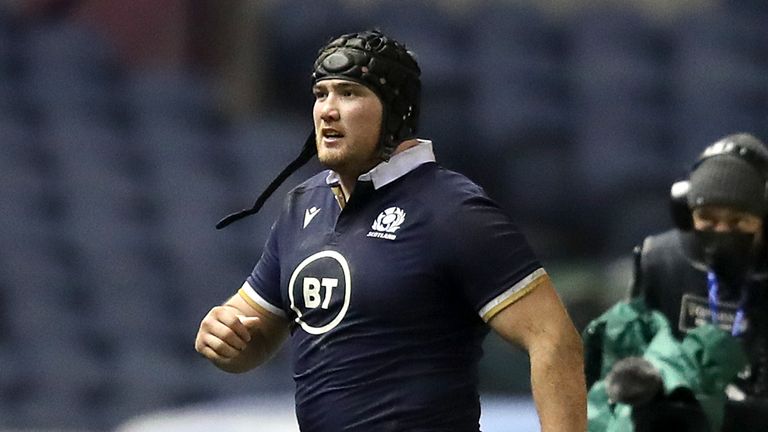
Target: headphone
680,212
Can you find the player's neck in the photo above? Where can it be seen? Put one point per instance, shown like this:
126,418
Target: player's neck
348,181
347,186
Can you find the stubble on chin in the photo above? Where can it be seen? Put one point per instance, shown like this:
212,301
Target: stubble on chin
330,159
345,165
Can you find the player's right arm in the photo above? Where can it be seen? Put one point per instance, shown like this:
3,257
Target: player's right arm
238,336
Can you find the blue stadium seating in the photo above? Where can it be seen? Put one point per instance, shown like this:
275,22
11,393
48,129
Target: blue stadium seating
69,71
618,66
515,68
719,77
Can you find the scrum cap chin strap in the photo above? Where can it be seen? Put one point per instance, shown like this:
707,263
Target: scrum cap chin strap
306,154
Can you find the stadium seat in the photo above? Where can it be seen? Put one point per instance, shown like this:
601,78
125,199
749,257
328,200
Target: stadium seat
619,63
62,375
169,96
69,71
519,53
719,77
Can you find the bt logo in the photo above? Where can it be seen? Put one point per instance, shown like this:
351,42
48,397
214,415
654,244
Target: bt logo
312,295
319,291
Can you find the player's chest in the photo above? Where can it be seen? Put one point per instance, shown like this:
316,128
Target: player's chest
366,263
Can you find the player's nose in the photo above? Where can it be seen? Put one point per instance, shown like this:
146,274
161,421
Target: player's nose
329,110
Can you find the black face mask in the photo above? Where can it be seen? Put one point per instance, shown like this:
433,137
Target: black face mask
730,255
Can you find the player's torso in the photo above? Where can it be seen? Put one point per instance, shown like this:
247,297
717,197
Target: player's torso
373,310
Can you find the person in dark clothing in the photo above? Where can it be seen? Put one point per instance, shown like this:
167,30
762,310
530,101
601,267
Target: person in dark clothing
712,269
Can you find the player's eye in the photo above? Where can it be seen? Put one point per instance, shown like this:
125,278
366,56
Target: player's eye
345,92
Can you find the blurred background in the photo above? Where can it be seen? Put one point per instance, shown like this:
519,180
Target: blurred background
128,128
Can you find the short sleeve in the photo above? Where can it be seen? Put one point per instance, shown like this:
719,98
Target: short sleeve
262,287
491,259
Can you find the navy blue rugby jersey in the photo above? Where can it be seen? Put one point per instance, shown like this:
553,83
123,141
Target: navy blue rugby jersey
389,295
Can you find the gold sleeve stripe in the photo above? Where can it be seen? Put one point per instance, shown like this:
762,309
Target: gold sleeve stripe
256,301
513,294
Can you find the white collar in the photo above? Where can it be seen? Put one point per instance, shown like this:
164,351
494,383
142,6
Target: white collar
399,165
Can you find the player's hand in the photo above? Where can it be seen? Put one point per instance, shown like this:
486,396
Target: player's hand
224,334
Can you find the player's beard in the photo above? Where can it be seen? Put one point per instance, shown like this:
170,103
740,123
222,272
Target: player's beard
347,160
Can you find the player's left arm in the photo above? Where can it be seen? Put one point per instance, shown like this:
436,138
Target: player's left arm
539,323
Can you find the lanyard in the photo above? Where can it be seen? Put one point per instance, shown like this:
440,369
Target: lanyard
713,287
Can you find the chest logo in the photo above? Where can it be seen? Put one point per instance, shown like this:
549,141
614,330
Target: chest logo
319,291
310,214
387,223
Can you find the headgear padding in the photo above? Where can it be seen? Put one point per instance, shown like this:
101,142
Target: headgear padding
387,68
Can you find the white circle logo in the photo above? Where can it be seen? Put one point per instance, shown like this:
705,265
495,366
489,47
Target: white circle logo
319,291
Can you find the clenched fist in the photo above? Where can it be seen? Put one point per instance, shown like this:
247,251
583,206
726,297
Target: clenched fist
225,336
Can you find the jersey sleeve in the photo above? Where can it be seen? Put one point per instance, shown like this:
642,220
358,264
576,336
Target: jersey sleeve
491,259
262,287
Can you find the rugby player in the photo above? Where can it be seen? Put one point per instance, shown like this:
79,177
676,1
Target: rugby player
386,271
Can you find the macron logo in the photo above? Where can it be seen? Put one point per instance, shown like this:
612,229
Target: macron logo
310,214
